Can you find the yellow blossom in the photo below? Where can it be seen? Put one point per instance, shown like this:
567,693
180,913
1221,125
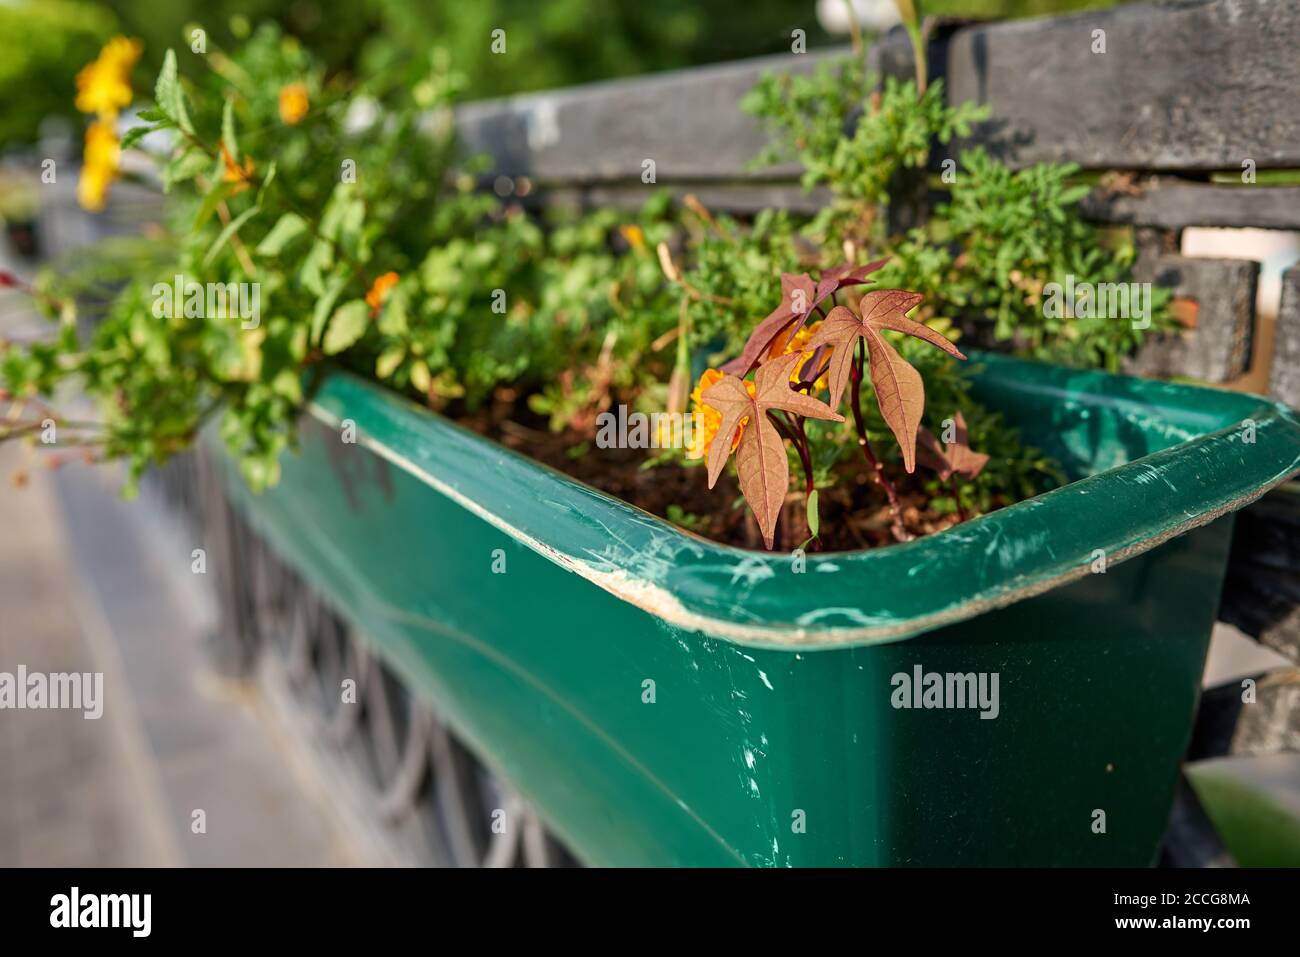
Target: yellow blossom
634,235
798,343
99,166
701,439
293,103
104,84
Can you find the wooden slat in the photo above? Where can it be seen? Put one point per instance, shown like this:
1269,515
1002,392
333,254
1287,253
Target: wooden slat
1284,382
1261,593
1191,84
1268,725
689,122
1170,203
743,199
1218,348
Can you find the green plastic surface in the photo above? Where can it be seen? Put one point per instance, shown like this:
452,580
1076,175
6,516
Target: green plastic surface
772,739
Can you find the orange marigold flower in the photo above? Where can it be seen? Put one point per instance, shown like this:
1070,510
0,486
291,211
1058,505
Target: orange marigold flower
798,343
293,103
104,84
702,439
379,290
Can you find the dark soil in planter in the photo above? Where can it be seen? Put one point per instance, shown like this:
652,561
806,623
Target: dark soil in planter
854,512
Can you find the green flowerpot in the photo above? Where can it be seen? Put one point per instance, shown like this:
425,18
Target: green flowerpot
665,700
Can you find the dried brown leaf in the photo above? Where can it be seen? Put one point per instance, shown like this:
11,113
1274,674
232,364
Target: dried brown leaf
956,458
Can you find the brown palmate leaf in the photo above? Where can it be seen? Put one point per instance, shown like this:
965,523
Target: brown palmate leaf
899,390
797,294
850,275
800,297
955,459
761,463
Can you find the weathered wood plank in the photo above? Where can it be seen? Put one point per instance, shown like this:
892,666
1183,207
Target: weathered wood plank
1186,84
1269,724
1218,347
1261,593
1284,380
742,199
1170,203
689,122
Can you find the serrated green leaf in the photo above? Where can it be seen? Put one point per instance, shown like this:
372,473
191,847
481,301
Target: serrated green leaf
136,133
347,325
170,97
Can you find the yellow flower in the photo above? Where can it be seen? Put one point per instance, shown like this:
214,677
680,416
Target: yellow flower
379,290
104,84
234,172
702,439
634,235
799,343
99,166
293,103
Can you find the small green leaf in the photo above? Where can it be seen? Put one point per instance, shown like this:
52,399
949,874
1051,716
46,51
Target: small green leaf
814,520
232,227
168,93
215,196
136,133
389,360
184,167
328,296
228,130
287,228
346,327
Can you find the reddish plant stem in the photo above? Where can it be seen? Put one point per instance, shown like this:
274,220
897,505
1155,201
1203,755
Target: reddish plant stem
799,439
855,379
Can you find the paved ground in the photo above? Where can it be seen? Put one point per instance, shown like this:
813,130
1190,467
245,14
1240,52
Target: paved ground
84,587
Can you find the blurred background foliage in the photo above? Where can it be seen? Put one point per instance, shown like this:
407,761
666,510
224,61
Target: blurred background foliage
554,43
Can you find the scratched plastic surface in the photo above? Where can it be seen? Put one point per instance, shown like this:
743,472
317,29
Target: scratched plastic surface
772,740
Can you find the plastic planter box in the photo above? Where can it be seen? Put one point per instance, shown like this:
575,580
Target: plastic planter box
773,738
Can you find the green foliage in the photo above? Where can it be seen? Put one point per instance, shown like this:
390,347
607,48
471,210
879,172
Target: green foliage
43,43
371,247
982,258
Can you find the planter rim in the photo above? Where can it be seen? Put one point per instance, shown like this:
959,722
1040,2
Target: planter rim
862,597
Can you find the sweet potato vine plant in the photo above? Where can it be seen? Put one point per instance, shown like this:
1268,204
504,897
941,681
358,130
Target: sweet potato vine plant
847,347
